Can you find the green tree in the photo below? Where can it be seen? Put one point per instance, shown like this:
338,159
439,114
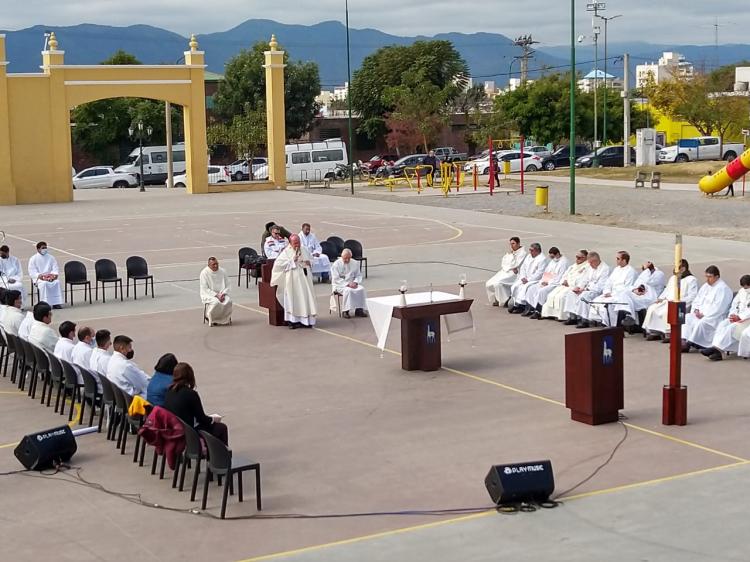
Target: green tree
245,134
244,85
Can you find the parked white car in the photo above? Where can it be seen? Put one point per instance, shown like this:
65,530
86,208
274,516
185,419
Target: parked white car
541,151
238,169
700,148
531,162
102,176
216,174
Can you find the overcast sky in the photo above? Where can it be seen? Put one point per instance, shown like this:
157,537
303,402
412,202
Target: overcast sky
655,21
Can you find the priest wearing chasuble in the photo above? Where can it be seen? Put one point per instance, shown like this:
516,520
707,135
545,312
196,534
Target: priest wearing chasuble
292,275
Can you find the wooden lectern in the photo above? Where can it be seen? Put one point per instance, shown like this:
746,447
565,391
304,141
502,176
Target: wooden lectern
593,375
267,296
420,332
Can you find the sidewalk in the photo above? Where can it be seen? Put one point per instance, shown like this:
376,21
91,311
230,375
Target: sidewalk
545,178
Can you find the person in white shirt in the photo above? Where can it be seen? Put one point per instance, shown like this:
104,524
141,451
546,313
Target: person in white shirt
575,276
321,265
101,354
214,291
3,306
24,329
577,301
498,286
537,293
620,279
67,341
346,280
655,324
11,272
709,309
82,350
729,331
41,335
529,274
13,316
642,294
123,372
45,274
274,244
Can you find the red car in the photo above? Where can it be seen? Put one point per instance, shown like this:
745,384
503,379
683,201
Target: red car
378,160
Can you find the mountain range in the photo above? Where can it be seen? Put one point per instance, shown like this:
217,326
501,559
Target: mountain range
489,55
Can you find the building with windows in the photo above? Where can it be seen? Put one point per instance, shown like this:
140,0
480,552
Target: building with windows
597,79
670,65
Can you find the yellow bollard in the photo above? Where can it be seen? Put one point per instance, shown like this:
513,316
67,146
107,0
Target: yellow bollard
506,168
541,197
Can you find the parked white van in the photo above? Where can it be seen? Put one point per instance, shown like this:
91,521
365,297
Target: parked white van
154,163
314,161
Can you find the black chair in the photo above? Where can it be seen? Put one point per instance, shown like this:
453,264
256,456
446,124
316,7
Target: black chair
29,365
72,387
193,455
23,363
247,261
338,243
56,379
41,369
356,249
9,345
222,463
76,274
3,351
90,393
137,270
329,249
15,347
108,399
106,272
121,414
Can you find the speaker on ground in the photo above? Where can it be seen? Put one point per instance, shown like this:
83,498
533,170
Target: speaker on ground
38,451
520,482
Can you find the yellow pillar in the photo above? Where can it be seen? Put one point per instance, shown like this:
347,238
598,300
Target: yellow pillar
194,115
7,187
275,116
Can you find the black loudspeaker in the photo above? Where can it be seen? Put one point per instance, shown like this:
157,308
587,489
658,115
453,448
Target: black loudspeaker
521,482
44,449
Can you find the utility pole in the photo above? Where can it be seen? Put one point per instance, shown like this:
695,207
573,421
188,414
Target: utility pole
626,111
525,42
572,144
596,7
606,77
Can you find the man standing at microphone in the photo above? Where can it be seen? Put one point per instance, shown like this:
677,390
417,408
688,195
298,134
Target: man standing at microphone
292,274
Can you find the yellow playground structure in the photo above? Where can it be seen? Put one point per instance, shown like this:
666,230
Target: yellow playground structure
727,175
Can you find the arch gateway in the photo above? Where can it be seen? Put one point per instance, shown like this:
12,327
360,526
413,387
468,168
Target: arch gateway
35,140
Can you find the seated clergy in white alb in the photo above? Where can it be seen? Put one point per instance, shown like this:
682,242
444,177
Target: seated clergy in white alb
292,276
710,307
45,274
577,301
620,279
730,331
214,288
643,293
537,293
321,265
655,324
498,286
41,335
11,272
529,273
346,279
573,277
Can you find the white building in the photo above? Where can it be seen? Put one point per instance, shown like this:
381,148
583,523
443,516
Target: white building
489,88
742,79
340,93
597,79
670,65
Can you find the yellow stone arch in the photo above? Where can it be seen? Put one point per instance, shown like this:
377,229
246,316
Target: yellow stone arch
35,145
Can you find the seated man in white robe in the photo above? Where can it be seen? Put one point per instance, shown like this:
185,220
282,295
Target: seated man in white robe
710,307
655,324
11,272
122,370
83,349
274,244
729,331
743,350
102,353
498,286
573,277
24,329
13,316
537,293
41,335
214,290
529,274
643,293
577,301
45,274
292,275
346,280
620,279
321,265
66,342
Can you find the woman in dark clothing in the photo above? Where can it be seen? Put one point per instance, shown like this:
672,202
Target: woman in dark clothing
159,383
183,401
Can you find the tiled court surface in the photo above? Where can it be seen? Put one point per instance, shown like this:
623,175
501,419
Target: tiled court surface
339,428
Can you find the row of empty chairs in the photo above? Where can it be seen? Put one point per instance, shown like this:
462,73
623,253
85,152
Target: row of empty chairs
30,365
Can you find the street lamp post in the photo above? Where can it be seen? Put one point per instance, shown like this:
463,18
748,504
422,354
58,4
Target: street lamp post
606,95
595,7
140,134
349,98
571,150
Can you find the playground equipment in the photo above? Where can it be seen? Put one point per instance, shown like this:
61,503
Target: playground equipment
727,175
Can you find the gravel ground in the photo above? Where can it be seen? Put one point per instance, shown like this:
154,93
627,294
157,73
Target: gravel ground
658,210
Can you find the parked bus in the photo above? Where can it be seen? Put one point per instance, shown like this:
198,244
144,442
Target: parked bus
154,163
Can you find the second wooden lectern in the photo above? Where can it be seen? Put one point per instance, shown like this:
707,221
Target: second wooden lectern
593,375
267,296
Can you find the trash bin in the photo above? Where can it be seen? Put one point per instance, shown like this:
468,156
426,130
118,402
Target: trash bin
506,167
542,196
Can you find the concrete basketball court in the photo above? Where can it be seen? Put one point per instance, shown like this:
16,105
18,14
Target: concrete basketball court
339,428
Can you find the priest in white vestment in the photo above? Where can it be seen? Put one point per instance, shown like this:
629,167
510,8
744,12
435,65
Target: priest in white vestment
274,244
11,272
620,279
13,316
729,331
655,324
577,301
292,275
346,280
41,335
45,274
529,274
642,294
743,350
537,293
498,286
710,307
321,265
214,290
573,277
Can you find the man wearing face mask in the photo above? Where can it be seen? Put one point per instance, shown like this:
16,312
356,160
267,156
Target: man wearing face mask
11,273
123,372
45,274
81,354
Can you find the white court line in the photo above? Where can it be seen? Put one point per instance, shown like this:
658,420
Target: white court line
541,234
53,247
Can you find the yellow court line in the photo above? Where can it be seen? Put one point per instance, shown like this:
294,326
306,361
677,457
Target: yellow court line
688,443
72,423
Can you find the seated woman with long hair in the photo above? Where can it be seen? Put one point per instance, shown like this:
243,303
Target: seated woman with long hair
161,379
183,401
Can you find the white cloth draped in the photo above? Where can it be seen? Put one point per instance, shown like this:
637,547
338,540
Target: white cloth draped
537,293
728,333
498,286
743,350
295,288
213,284
49,291
320,261
712,302
656,315
532,269
574,276
593,285
341,275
